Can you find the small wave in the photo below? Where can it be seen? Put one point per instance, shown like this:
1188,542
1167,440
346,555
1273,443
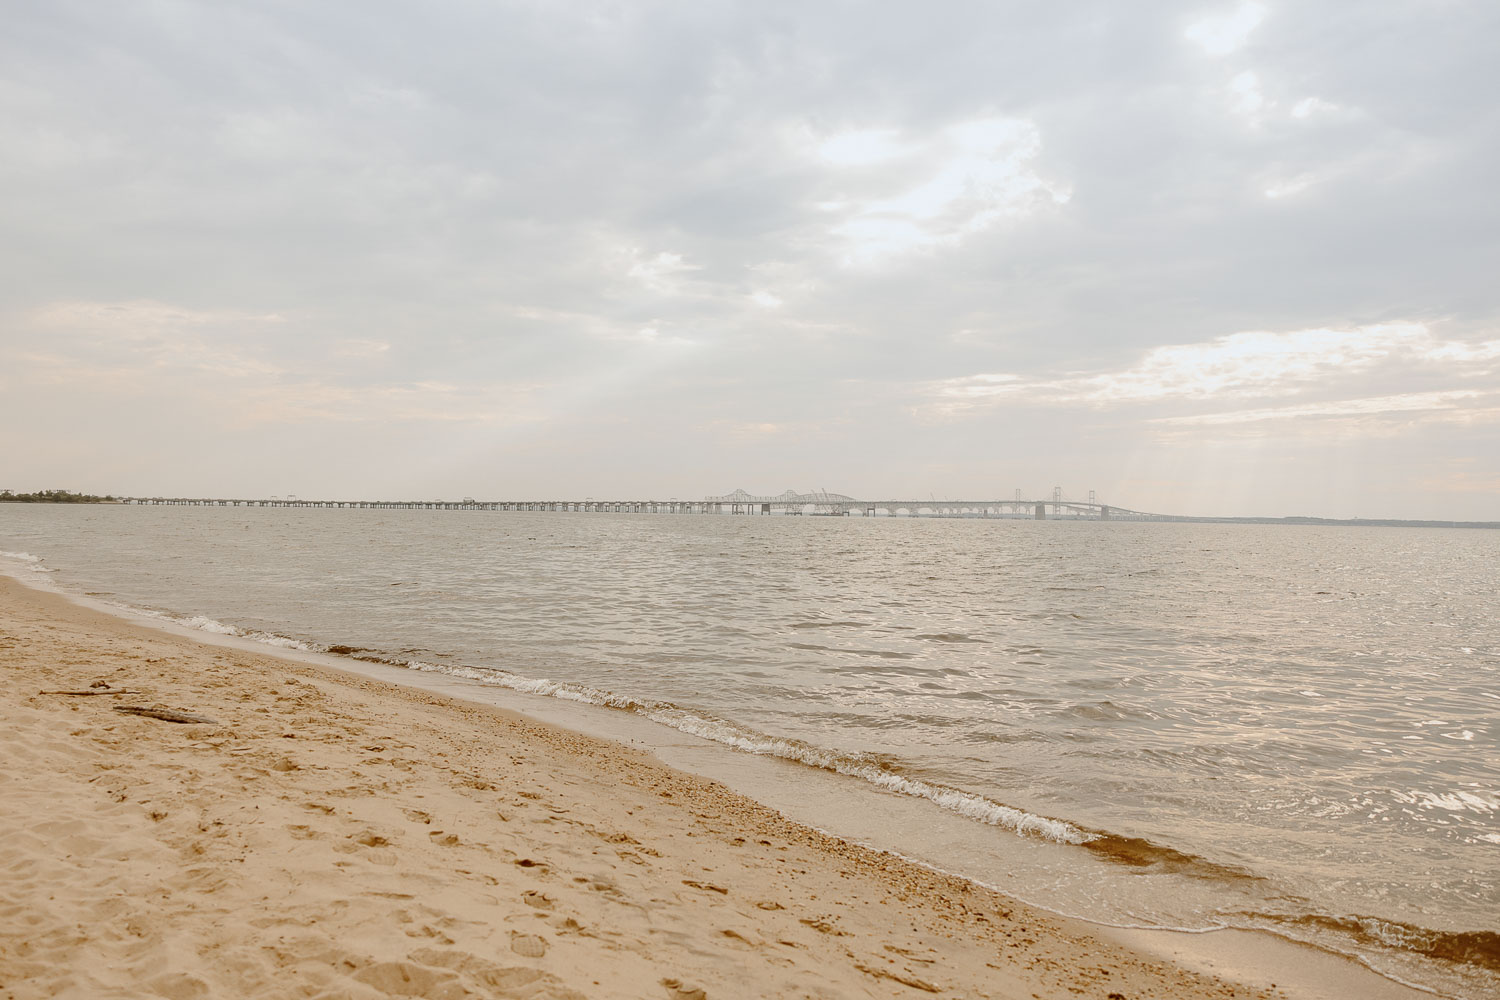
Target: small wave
884,654
829,624
877,773
280,641
1475,948
205,624
1099,711
33,563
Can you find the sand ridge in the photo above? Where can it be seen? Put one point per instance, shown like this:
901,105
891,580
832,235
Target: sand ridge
336,836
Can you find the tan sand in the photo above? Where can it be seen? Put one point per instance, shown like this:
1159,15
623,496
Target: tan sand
336,836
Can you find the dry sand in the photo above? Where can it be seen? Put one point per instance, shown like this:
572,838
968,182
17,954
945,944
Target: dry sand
335,836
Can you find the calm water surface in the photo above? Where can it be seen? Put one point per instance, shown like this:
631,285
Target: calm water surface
1285,726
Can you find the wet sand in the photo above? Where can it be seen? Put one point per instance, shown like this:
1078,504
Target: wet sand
331,835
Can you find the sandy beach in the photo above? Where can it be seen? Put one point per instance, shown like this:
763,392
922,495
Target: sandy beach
329,835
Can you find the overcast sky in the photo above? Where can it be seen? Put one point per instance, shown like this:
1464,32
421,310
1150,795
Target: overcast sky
1210,258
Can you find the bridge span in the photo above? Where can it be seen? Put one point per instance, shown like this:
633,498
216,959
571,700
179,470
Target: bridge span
790,503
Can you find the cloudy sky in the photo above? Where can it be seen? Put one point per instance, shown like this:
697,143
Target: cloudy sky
1214,258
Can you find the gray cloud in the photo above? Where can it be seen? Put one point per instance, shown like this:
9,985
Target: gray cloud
648,248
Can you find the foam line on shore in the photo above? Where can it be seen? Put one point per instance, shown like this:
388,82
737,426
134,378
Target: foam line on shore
694,723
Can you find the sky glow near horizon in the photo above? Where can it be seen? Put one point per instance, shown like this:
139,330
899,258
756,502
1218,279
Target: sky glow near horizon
1207,258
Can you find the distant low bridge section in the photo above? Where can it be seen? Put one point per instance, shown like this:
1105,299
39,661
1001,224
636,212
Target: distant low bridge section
821,503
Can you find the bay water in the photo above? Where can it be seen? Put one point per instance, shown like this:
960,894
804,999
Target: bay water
1293,728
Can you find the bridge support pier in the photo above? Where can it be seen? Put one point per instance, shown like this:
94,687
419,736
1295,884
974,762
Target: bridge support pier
1041,512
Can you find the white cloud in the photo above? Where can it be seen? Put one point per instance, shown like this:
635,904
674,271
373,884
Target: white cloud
978,173
1221,34
224,390
140,318
1309,106
1290,186
355,347
1245,97
1413,402
1256,364
213,363
857,149
165,336
662,273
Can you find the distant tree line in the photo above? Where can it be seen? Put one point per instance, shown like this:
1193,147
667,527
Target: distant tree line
51,496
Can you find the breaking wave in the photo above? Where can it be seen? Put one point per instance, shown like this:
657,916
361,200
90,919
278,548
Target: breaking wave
1480,949
205,624
33,563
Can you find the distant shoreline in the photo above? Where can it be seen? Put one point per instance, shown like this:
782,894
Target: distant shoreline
1353,522
54,496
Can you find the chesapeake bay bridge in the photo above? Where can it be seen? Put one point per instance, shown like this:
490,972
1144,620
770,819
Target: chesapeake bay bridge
1055,506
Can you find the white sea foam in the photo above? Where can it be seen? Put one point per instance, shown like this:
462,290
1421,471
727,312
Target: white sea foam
33,563
279,641
1460,800
203,624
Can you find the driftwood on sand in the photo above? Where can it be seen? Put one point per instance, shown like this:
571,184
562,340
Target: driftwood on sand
165,714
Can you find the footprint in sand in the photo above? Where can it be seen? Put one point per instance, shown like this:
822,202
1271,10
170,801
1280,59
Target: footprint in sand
488,978
824,927
180,986
539,900
705,886
677,990
528,945
404,978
